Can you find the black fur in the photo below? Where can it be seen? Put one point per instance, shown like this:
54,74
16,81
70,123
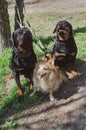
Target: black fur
23,57
67,47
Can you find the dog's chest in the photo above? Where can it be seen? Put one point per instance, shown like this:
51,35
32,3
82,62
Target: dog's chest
61,47
20,62
24,63
44,85
65,46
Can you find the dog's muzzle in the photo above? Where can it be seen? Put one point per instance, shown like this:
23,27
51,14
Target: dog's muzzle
41,75
62,32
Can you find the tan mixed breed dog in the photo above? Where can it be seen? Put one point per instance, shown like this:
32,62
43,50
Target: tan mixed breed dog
47,78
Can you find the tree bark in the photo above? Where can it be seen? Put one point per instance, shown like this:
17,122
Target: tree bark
4,26
19,16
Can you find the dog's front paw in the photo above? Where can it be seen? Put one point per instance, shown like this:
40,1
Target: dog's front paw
10,76
51,97
75,74
20,93
32,94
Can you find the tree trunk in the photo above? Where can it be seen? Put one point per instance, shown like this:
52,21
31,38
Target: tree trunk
19,16
4,26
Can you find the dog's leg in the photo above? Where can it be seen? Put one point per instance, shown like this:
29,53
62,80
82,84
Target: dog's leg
51,96
71,67
35,89
17,79
10,76
31,85
74,73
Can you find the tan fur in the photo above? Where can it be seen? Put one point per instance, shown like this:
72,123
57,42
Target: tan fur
47,78
66,36
49,59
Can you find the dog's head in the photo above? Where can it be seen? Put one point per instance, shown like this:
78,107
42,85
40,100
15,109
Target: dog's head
49,58
44,69
22,39
63,30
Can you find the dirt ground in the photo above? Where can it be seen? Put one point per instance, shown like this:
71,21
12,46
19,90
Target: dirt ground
60,6
68,111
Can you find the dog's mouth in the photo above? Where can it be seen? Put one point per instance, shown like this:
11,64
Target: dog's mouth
63,33
41,75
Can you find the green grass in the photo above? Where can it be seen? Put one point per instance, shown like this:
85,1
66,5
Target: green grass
9,124
12,98
4,70
43,25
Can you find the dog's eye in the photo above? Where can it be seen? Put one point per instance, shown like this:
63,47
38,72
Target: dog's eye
67,29
20,32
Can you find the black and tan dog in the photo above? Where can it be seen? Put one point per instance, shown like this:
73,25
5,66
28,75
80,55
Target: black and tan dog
65,49
23,57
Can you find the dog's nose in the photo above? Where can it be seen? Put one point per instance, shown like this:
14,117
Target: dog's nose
26,35
25,32
62,32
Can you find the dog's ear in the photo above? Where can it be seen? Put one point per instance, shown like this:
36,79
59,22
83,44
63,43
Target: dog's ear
48,56
71,29
30,34
55,29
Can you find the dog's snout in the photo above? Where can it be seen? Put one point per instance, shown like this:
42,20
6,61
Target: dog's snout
25,32
26,35
61,32
38,75
20,36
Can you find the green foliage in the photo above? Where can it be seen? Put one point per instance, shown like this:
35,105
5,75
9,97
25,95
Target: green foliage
13,100
4,62
80,35
4,70
12,124
5,103
42,45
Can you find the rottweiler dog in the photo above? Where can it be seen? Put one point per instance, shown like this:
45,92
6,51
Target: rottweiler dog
23,57
64,50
